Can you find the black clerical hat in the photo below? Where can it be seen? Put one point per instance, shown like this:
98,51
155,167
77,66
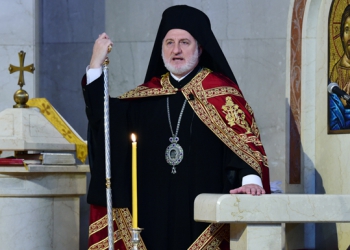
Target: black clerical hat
198,25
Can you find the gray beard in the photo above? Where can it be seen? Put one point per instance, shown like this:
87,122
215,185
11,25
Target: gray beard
182,69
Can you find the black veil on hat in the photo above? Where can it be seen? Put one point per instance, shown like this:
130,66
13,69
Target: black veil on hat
198,25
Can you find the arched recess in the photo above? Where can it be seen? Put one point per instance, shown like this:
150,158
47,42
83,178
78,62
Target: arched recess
315,154
307,64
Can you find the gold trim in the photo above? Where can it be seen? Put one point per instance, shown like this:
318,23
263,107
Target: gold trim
98,225
108,183
165,88
212,237
123,219
211,117
56,120
219,91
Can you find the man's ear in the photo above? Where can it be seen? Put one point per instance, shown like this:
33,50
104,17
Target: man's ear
200,50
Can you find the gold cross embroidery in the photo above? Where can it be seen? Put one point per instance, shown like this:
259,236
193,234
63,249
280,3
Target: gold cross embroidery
45,109
234,115
29,68
66,133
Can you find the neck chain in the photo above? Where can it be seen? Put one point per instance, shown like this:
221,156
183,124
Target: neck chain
174,152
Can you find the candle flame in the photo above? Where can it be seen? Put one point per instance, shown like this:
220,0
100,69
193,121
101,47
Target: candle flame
133,137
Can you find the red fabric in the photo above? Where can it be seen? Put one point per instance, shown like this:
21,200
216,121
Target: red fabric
96,240
83,81
218,80
215,236
98,229
266,180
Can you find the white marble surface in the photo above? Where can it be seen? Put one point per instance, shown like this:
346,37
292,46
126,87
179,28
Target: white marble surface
28,184
257,222
66,228
24,185
277,208
27,129
254,236
310,53
39,223
264,237
40,210
45,169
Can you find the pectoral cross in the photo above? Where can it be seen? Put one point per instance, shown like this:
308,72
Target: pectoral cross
29,68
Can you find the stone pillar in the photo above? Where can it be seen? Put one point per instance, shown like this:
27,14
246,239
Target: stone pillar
40,206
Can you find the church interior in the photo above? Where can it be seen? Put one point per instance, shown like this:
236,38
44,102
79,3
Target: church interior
281,51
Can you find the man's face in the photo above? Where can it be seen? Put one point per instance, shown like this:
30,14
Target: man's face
346,37
180,52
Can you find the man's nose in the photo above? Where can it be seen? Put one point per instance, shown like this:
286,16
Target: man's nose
177,49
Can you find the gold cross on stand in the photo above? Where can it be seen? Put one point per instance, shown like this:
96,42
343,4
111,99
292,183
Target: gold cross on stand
21,96
29,68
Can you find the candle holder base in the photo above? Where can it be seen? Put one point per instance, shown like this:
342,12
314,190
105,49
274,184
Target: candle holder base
135,237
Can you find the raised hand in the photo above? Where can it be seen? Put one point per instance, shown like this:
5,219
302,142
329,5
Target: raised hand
100,50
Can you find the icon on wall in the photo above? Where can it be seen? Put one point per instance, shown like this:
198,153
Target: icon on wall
338,85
